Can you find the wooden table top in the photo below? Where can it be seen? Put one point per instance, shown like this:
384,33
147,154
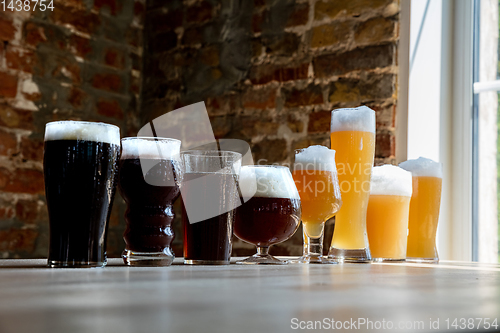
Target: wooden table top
236,298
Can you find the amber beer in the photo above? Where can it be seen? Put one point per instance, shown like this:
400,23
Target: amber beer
387,215
353,138
424,208
80,165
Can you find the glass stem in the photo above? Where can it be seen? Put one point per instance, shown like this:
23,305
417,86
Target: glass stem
313,247
262,251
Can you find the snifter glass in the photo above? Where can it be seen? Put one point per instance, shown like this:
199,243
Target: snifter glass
270,210
209,197
80,166
150,178
315,175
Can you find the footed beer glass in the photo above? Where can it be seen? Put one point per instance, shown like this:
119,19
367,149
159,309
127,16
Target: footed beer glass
270,210
315,176
353,138
150,176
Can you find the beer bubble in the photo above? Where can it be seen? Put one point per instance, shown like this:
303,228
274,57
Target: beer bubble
150,148
423,167
267,181
360,119
82,130
390,180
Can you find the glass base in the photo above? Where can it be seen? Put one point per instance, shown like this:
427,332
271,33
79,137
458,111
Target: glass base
387,260
423,260
76,264
350,255
131,258
312,260
259,259
205,262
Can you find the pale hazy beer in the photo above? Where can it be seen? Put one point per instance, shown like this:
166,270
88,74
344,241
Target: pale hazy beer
424,208
388,209
353,138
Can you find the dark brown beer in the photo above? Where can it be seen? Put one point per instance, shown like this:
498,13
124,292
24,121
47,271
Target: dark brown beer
214,194
265,221
149,214
80,183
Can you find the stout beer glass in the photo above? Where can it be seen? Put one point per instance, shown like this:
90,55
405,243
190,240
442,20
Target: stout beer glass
209,196
424,209
353,138
150,176
315,175
387,216
80,165
270,213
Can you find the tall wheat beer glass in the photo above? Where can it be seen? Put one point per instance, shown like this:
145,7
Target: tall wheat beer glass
424,209
353,138
315,176
388,208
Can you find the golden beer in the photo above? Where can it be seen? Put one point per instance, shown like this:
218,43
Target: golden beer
315,176
353,138
424,209
387,215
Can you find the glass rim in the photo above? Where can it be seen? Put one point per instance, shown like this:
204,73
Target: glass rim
99,123
150,138
211,153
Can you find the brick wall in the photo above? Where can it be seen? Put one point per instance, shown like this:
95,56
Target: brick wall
80,61
270,72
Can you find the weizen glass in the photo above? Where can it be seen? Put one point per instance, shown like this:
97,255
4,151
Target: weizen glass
150,177
315,175
209,196
353,138
270,212
80,166
388,209
424,209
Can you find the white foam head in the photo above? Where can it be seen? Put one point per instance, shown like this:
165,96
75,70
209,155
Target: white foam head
360,119
423,167
315,158
390,180
267,181
150,148
82,130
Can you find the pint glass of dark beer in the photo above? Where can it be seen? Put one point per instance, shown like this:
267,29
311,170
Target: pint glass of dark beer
209,196
150,176
80,165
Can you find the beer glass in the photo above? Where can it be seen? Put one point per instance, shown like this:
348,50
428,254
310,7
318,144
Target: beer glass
353,138
270,213
80,166
209,196
315,176
387,215
150,176
424,209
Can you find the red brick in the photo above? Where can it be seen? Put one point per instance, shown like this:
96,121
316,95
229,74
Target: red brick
81,20
192,36
22,181
109,108
114,6
135,84
7,29
8,143
375,30
67,71
163,22
18,240
270,151
26,211
260,99
267,73
77,97
14,118
319,122
310,95
385,145
6,213
32,149
110,82
138,8
299,15
8,85
257,21
80,45
199,13
352,8
134,36
259,3
20,59
34,34
114,58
